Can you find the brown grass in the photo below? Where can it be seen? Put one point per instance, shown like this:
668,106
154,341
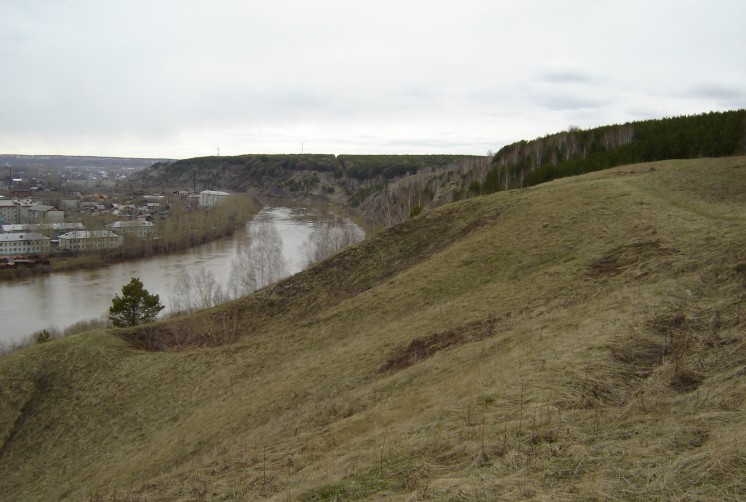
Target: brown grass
474,353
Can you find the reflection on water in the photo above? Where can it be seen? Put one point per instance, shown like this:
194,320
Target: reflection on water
62,299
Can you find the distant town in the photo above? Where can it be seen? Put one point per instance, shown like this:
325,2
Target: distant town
57,210
31,226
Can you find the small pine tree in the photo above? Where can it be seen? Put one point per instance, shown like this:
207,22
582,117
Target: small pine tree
135,306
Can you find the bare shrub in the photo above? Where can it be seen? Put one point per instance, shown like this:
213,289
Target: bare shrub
259,262
327,238
200,291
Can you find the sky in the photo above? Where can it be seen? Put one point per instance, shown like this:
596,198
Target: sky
184,78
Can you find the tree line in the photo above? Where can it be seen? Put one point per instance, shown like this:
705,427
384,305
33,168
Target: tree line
577,151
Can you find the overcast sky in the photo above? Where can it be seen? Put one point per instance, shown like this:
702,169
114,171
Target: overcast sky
182,78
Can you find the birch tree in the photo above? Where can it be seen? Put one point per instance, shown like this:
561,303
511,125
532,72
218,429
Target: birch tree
259,261
200,291
327,238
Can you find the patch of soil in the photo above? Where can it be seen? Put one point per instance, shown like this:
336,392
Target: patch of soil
427,346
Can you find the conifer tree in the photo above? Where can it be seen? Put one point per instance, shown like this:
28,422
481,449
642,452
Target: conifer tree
135,306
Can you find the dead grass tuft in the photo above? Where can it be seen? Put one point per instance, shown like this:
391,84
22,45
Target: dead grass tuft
623,257
639,355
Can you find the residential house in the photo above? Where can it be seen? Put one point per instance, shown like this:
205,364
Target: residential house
24,243
90,240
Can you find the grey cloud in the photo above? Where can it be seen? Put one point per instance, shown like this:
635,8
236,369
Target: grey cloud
564,76
566,88
721,93
568,103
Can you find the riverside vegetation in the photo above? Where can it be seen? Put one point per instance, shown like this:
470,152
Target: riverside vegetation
581,339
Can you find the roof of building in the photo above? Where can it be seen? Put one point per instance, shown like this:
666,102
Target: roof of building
213,192
88,234
42,208
18,237
7,203
131,224
26,227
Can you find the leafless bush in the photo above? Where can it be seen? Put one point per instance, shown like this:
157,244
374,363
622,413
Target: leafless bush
259,262
197,292
327,238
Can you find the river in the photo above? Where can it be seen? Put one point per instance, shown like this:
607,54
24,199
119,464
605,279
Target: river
62,299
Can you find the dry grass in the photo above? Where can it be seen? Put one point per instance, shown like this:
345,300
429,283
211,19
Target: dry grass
577,340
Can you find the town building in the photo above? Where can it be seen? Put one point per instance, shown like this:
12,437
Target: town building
51,230
90,240
24,243
211,198
135,228
41,213
10,212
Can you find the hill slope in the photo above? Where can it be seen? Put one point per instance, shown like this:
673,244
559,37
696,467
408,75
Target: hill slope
579,339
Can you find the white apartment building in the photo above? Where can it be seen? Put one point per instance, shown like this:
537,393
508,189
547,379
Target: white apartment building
24,243
134,228
90,240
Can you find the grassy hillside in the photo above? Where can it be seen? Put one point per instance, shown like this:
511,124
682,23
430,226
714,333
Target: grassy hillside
581,339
